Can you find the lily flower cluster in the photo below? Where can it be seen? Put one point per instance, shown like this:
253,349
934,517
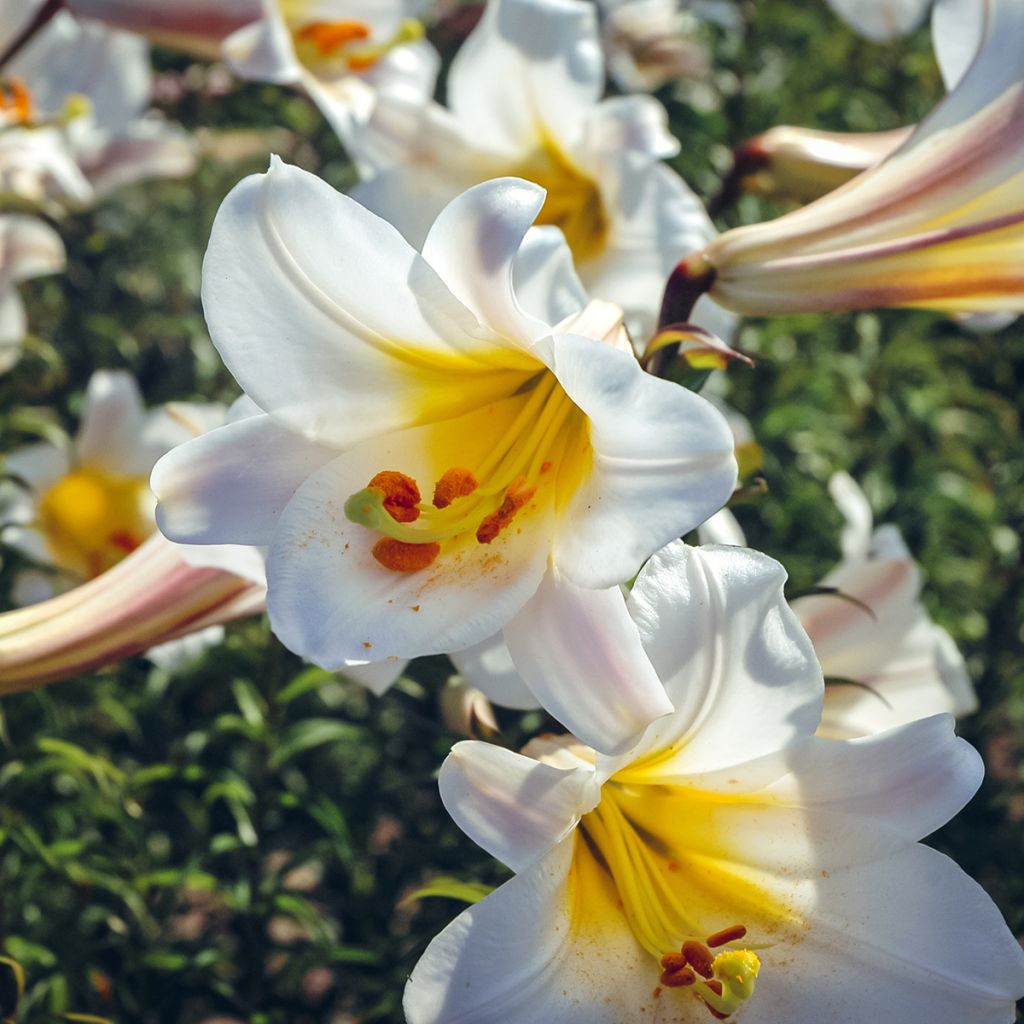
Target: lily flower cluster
447,445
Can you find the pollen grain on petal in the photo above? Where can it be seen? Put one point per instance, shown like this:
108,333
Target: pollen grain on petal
399,556
455,483
401,495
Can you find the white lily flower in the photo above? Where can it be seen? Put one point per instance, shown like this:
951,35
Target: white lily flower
649,43
524,99
28,248
882,20
82,508
84,132
887,642
937,225
733,863
441,452
892,664
343,52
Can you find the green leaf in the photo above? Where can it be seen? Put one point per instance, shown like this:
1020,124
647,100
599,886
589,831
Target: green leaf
313,732
449,888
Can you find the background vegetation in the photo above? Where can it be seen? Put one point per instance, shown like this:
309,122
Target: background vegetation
238,842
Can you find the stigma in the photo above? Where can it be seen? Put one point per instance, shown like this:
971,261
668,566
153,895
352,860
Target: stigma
722,981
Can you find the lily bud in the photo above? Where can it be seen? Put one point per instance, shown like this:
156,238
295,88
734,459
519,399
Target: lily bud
197,26
937,225
160,592
466,711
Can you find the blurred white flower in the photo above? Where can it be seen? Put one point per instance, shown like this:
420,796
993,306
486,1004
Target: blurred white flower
83,507
649,43
28,248
906,665
443,452
343,52
524,99
732,862
83,129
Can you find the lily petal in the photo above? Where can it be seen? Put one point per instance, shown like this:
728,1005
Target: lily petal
382,337
512,806
580,654
521,55
473,246
745,695
663,462
231,485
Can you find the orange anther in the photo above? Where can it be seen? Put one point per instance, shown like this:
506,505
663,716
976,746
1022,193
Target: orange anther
678,979
330,36
673,961
454,483
699,957
401,557
731,934
21,101
401,495
517,495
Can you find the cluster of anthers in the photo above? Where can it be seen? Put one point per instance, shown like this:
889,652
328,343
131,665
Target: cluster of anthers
724,981
391,500
350,42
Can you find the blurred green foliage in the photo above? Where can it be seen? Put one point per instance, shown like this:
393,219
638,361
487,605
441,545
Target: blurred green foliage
236,842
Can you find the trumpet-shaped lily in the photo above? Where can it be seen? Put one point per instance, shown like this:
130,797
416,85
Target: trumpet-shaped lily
441,450
83,507
343,52
936,225
81,131
881,638
731,866
28,248
524,99
150,601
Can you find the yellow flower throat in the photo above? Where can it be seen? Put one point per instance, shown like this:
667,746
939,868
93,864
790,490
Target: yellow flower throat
648,843
529,451
92,519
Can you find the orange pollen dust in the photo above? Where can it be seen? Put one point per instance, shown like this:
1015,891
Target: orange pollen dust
454,483
330,36
401,495
399,556
517,495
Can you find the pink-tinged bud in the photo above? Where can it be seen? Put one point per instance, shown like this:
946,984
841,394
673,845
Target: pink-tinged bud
152,596
198,26
802,164
939,224
466,711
